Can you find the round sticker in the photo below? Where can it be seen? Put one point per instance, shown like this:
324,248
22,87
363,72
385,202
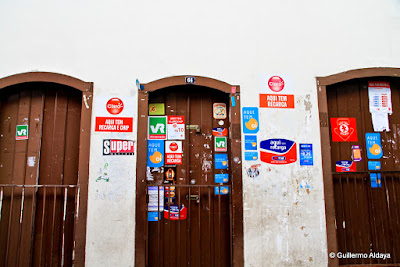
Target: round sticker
276,83
221,122
115,106
173,146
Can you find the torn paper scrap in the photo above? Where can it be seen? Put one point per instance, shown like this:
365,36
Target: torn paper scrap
380,121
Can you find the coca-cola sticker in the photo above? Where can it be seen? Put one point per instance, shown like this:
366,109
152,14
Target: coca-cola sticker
344,129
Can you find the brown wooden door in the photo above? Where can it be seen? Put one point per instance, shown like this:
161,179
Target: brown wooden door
367,218
204,237
38,176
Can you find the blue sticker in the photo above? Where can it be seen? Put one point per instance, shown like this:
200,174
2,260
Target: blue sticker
375,180
224,190
155,153
153,216
250,156
221,161
221,178
306,154
250,142
233,101
374,165
374,145
250,120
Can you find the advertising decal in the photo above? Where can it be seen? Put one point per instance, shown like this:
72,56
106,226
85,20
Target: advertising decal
221,161
250,156
156,109
276,91
374,165
21,132
156,198
250,142
344,129
157,127
380,105
306,155
173,152
278,151
376,181
220,131
356,153
345,166
118,147
176,127
219,111
113,114
250,120
221,178
223,190
174,212
374,145
155,153
221,145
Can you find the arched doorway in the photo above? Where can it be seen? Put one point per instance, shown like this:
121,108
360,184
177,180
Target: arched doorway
44,155
209,226
362,212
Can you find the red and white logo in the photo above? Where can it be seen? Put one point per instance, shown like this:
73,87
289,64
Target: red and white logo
173,146
115,106
276,83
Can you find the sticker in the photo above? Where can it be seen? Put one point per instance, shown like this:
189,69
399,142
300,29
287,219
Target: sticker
176,127
156,198
380,97
253,171
374,145
170,175
169,195
276,84
156,109
250,120
250,156
278,151
103,174
114,106
173,213
221,122
219,131
220,144
219,111
356,153
118,147
224,190
276,101
376,181
107,124
345,166
173,152
153,216
221,178
233,90
344,129
221,161
21,132
155,153
306,155
374,165
233,101
250,142
157,127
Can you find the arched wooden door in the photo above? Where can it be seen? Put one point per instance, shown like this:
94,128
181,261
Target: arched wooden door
41,185
195,224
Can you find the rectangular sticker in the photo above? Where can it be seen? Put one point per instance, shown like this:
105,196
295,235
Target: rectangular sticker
374,165
345,166
176,127
118,147
376,181
250,120
250,142
155,153
380,97
276,101
156,109
157,127
221,178
224,190
356,153
174,213
278,151
219,111
156,198
250,156
111,124
220,144
374,145
173,152
21,132
153,216
344,129
306,155
221,161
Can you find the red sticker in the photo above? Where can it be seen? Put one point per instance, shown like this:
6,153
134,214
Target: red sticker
345,166
115,106
108,124
276,83
344,129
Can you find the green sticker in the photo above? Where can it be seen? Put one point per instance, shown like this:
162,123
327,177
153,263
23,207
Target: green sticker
157,127
157,109
22,132
221,144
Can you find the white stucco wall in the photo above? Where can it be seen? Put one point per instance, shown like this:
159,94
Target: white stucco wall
111,43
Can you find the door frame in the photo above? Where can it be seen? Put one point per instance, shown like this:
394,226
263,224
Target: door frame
84,144
322,83
237,197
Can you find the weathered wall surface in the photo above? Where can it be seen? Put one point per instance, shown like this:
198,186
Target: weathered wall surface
111,43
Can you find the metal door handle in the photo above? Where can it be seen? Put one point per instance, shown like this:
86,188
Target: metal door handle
193,197
193,127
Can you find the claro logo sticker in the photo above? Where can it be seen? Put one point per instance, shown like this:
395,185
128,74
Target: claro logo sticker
278,151
118,147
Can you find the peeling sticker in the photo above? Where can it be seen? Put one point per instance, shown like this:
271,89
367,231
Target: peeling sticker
31,161
85,101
